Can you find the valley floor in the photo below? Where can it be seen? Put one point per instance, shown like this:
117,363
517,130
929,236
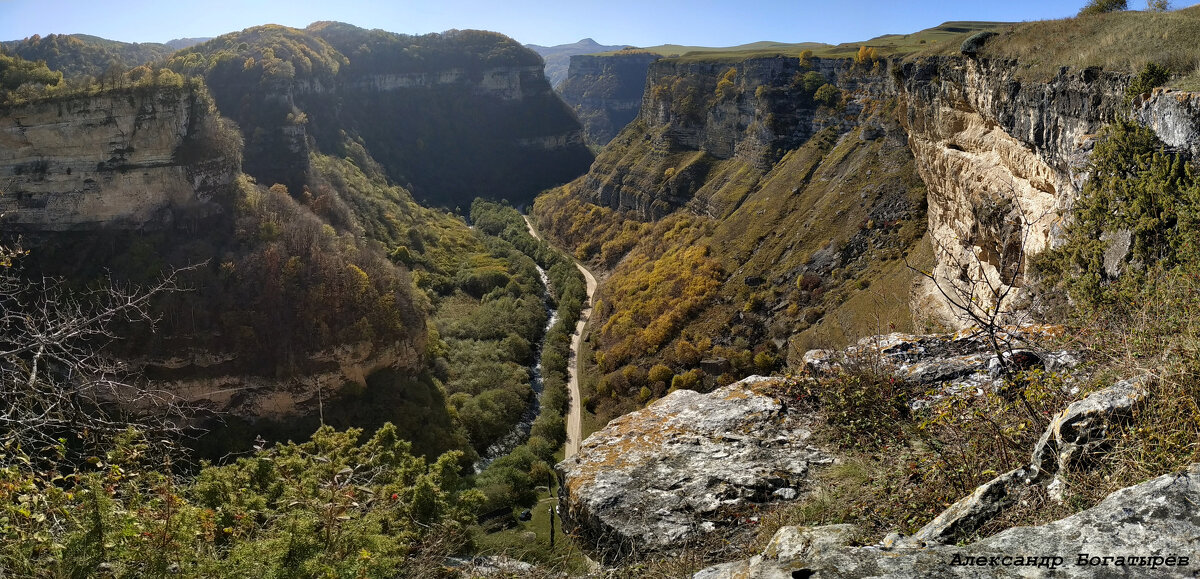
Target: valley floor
575,415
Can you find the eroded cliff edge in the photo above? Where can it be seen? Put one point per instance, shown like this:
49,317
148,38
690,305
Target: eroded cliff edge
1004,158
121,159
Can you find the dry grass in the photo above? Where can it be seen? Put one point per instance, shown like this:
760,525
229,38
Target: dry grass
1117,41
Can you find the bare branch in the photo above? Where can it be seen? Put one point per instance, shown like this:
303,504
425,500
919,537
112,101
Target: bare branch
55,378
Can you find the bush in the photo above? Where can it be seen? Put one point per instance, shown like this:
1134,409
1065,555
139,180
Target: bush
1102,6
971,46
828,95
1151,77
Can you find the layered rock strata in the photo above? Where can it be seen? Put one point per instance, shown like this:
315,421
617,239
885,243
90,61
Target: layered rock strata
114,160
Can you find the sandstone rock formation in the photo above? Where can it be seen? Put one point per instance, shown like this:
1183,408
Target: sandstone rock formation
1147,530
682,467
115,160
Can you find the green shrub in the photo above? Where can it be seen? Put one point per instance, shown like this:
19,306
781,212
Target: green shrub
1102,6
1150,77
828,95
971,46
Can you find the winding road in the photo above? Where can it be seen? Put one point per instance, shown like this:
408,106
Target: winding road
575,415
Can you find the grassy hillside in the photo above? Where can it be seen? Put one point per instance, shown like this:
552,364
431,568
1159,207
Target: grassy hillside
949,34
1119,41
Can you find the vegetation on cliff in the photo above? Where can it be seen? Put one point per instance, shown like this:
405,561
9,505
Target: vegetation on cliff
290,89
715,290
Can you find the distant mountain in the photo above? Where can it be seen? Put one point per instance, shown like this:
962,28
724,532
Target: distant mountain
182,43
558,58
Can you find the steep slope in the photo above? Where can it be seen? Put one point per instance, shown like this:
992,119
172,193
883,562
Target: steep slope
606,91
558,57
303,310
251,341
751,205
451,115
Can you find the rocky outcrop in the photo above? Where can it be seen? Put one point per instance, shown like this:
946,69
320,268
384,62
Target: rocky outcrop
506,84
1174,116
1003,160
1004,157
606,91
1147,530
558,57
684,467
1078,432
117,160
957,363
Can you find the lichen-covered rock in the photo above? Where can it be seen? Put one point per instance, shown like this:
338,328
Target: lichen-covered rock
789,544
959,362
683,466
1147,530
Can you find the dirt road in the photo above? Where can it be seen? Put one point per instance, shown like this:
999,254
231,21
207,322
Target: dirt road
575,414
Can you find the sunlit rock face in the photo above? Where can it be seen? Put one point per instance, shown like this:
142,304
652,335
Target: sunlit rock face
686,466
118,160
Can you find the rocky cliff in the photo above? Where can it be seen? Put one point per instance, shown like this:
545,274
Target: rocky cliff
120,159
1004,157
1147,530
450,116
606,91
558,57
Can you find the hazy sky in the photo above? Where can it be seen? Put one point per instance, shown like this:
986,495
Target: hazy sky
635,22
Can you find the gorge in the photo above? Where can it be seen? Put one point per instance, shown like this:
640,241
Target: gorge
777,317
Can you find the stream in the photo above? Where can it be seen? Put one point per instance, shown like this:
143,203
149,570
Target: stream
520,432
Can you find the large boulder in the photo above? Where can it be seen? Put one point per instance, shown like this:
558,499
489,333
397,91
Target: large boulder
1147,530
687,465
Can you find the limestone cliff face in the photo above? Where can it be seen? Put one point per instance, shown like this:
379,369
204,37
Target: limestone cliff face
452,134
1002,159
506,83
116,160
606,91
751,112
1005,159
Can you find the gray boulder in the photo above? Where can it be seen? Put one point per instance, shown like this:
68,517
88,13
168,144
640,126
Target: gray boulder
1147,530
685,466
1079,431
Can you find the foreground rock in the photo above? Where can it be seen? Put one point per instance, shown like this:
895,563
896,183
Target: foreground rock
1148,530
685,466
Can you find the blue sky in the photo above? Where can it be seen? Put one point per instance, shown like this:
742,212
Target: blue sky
635,22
